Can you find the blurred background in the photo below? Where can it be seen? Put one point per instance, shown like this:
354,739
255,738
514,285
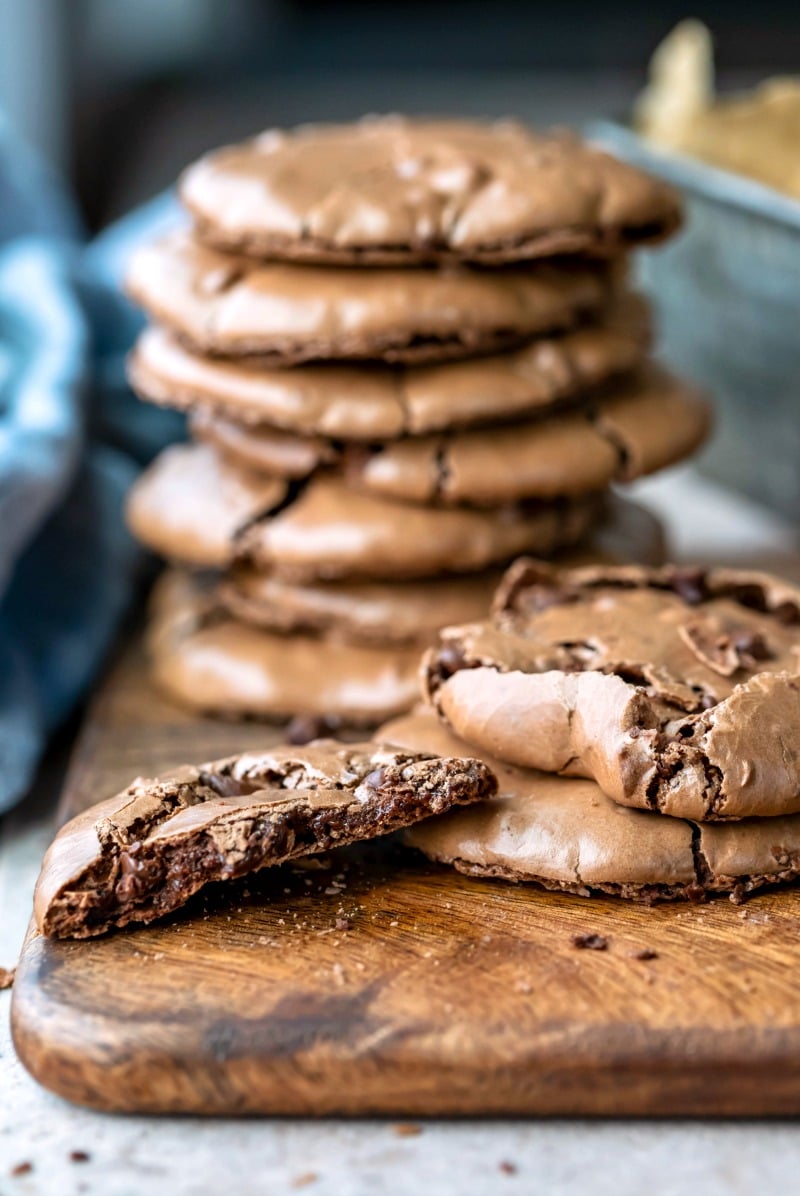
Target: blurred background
123,94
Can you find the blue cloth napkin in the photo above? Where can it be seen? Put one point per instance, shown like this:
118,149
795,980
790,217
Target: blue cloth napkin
72,437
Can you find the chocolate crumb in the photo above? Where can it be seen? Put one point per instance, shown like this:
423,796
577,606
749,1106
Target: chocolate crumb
342,924
22,1169
690,585
407,1129
738,895
305,727
645,953
302,1181
79,1156
508,1168
6,977
590,942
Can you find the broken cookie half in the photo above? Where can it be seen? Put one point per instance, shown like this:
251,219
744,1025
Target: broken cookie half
676,690
145,852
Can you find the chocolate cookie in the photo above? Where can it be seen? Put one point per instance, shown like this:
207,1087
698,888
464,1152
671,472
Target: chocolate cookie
676,690
144,853
640,425
375,402
563,833
209,662
190,505
288,314
194,507
396,190
330,532
407,612
360,612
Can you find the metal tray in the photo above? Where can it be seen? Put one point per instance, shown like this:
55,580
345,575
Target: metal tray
727,297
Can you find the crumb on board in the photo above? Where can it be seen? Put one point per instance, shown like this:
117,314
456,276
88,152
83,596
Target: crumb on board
508,1168
407,1129
590,942
645,953
23,1168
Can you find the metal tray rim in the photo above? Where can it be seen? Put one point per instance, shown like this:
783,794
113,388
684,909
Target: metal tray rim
693,175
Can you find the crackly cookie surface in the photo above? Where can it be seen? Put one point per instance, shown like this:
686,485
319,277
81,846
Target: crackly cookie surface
285,314
393,189
189,504
676,690
331,531
378,402
197,508
635,427
564,833
143,853
206,660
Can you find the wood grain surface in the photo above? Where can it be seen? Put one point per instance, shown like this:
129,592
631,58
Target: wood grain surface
373,982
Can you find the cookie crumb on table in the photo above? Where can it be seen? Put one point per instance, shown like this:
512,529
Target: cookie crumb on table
6,977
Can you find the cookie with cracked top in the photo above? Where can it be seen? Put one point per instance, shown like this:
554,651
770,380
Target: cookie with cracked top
636,426
144,853
413,611
283,314
400,190
196,508
376,402
209,662
676,690
563,833
190,504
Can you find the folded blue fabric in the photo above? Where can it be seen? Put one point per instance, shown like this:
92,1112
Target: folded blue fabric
71,439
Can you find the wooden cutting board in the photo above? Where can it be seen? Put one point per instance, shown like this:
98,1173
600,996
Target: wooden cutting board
382,984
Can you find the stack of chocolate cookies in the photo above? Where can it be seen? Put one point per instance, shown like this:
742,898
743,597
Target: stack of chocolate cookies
408,353
642,725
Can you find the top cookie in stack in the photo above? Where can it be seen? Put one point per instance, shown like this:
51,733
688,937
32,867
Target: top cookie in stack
408,353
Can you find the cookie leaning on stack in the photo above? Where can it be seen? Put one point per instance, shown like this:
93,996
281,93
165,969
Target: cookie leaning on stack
642,724
408,354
